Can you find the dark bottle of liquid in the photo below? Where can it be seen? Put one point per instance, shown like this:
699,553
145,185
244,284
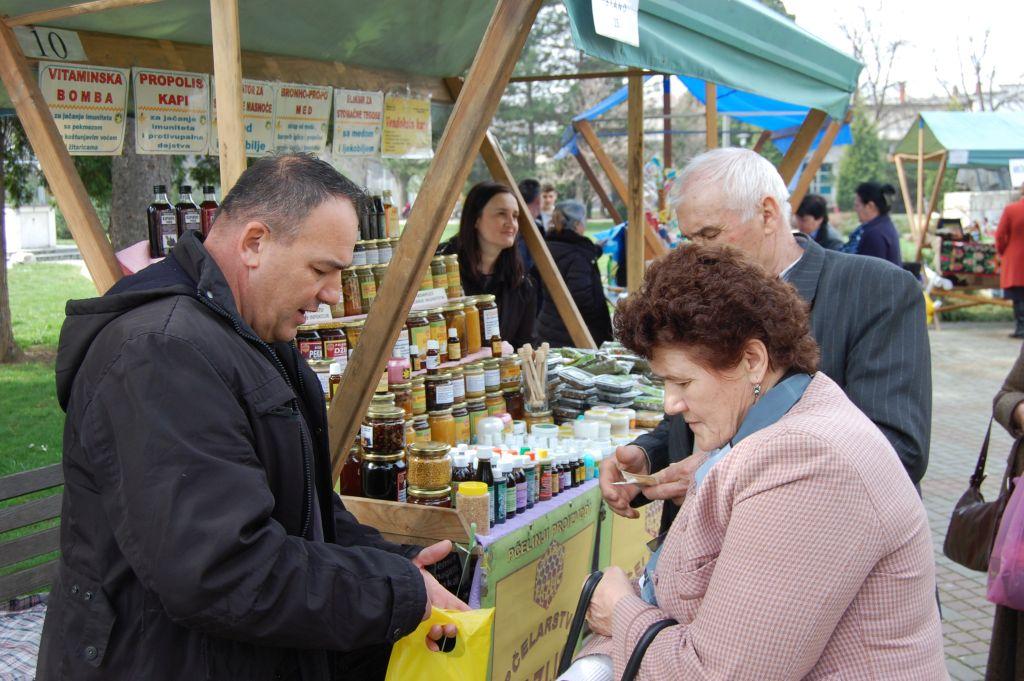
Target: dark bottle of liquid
163,224
379,229
485,474
208,209
187,212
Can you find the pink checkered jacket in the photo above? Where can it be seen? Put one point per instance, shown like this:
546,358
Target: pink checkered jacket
804,554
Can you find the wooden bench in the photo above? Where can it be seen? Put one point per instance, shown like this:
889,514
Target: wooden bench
38,542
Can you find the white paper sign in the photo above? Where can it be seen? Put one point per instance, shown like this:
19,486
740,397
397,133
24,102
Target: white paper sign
358,117
1016,172
88,104
303,113
618,20
40,42
257,117
172,112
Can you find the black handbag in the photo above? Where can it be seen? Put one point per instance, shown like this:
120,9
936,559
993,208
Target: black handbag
974,521
576,630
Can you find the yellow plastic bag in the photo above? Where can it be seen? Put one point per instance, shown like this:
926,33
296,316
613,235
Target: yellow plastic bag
411,660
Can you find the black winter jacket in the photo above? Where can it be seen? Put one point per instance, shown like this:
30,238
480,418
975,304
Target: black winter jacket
576,257
200,536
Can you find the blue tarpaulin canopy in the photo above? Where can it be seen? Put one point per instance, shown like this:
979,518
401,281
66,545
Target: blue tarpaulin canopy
758,110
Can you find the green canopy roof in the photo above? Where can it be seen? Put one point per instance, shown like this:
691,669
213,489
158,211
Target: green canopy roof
738,43
973,138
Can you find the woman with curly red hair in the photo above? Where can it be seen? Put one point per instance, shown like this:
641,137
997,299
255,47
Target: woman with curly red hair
801,549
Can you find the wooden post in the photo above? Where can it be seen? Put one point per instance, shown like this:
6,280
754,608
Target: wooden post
922,219
606,200
618,184
762,140
23,89
801,143
666,110
711,114
495,161
485,83
45,16
817,158
927,221
908,204
227,68
635,204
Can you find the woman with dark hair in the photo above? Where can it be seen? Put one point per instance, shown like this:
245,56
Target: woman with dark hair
812,219
801,549
576,257
876,235
489,261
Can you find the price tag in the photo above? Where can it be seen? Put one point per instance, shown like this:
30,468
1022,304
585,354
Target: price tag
1016,172
618,20
40,42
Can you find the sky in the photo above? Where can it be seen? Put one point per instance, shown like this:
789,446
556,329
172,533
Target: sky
931,28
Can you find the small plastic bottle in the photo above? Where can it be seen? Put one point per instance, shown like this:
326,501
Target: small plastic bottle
433,358
414,358
500,495
511,495
521,491
335,378
454,346
485,474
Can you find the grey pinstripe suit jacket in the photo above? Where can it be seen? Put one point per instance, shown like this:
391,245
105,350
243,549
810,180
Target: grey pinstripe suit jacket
869,320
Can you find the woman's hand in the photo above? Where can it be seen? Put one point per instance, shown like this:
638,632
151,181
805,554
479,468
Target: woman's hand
1017,420
675,480
612,588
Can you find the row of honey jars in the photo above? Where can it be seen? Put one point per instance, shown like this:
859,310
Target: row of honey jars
444,274
373,252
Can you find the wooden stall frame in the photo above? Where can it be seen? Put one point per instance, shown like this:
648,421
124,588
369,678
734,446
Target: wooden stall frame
606,200
637,227
805,137
43,16
817,158
920,219
711,114
227,71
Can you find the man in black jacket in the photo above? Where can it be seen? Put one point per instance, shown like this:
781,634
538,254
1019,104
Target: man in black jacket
200,535
866,314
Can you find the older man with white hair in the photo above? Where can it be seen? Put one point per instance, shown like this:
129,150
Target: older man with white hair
866,314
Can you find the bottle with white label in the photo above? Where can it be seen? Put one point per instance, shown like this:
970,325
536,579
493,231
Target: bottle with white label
162,222
433,358
187,213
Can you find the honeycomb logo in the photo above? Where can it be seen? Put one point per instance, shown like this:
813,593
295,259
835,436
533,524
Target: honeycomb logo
652,518
549,575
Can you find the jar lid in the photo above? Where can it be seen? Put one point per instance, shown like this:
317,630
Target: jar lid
491,363
485,298
456,371
475,401
379,268
494,393
386,411
454,307
473,368
352,324
441,412
437,258
441,376
402,386
538,414
383,458
510,359
359,245
430,449
439,493
418,380
371,243
434,310
510,391
330,326
453,256
472,488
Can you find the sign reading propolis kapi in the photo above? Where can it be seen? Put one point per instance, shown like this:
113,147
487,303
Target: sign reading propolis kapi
172,112
533,580
406,128
88,104
357,122
303,113
258,111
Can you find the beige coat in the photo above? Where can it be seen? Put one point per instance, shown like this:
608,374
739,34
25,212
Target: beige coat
805,553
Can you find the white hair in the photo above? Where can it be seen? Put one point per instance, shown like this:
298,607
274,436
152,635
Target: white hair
743,177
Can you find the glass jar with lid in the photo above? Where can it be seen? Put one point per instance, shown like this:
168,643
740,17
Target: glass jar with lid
419,333
309,343
383,429
359,254
353,298
384,251
492,374
511,371
378,275
403,397
438,498
458,384
427,282
451,266
455,318
439,273
514,404
419,395
350,482
367,286
495,402
460,414
335,345
442,426
383,476
472,339
421,425
477,409
372,254
438,331
439,391
536,417
429,465
474,375
352,331
488,309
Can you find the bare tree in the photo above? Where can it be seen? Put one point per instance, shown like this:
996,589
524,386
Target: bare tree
878,56
977,89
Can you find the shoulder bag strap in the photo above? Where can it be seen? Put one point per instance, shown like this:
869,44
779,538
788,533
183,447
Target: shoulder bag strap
637,657
979,470
576,628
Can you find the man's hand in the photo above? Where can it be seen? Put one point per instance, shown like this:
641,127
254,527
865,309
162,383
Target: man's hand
675,480
628,458
437,595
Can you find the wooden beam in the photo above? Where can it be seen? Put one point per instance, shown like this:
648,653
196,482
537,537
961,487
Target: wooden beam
801,143
227,69
921,219
908,204
762,140
45,16
817,158
711,114
495,161
485,83
105,49
637,225
927,157
618,184
666,110
581,76
606,200
23,89
931,207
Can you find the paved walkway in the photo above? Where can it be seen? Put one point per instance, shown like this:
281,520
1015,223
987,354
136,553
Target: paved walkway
969,363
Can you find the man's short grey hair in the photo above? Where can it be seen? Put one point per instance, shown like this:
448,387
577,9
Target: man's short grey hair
743,177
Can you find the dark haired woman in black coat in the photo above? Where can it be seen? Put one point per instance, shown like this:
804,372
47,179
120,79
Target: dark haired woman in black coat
576,257
876,235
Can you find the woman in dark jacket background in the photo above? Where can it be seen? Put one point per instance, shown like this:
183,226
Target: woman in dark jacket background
489,261
876,235
576,257
811,218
